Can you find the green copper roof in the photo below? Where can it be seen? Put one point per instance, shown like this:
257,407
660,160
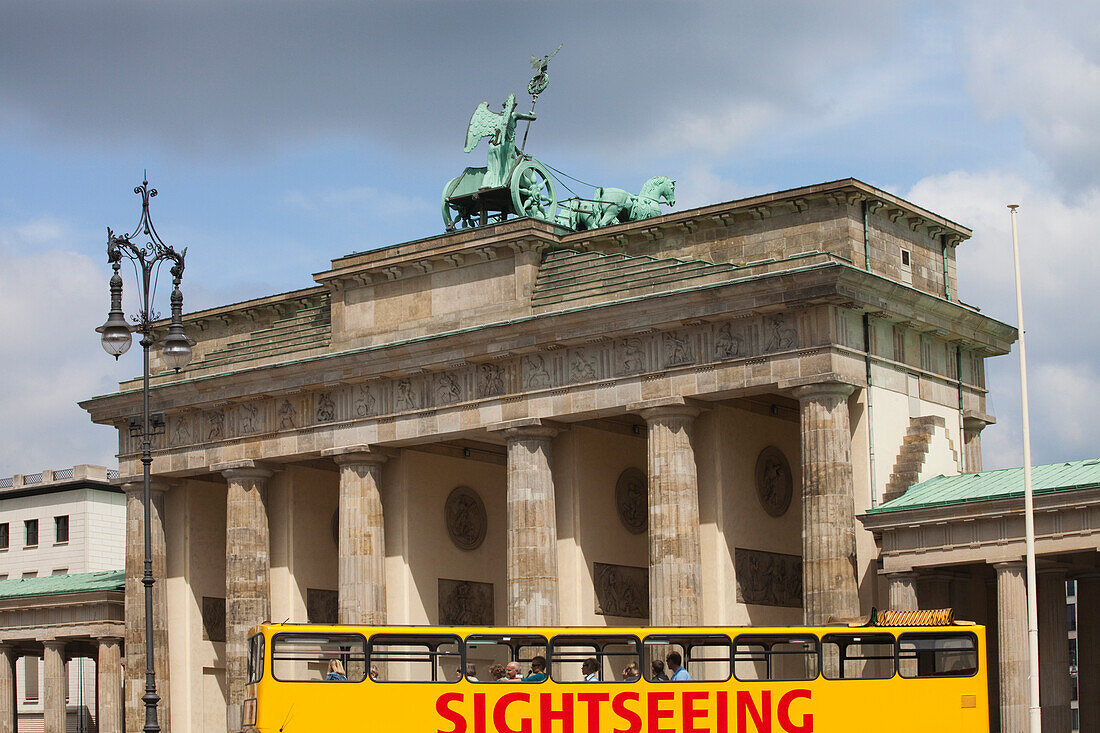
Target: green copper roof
1003,484
56,584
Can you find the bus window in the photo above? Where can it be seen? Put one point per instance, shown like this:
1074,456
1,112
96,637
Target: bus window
775,657
255,658
569,656
484,651
706,658
415,657
857,656
938,655
306,657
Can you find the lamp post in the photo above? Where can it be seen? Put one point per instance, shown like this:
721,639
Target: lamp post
176,352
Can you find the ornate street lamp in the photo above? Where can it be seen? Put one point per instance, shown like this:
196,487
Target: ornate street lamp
176,352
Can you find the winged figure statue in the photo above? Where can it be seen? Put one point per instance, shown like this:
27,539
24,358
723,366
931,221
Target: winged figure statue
500,128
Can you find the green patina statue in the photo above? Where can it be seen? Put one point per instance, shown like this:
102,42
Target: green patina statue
514,183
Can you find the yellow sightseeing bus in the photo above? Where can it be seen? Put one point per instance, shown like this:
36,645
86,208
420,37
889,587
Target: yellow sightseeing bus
742,680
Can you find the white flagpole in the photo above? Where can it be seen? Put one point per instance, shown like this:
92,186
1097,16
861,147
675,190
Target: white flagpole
1034,711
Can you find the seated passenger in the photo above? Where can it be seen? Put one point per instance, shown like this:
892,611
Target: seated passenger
471,672
657,671
589,670
630,673
497,672
511,673
538,670
336,672
679,674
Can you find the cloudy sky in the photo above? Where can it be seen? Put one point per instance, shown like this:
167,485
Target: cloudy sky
283,134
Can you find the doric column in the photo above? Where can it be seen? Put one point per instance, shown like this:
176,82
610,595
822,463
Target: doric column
903,591
362,545
675,559
1012,645
54,686
135,603
247,567
828,504
7,688
532,528
934,590
1054,692
108,685
1088,650
972,443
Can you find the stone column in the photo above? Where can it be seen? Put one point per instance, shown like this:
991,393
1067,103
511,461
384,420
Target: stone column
934,590
675,558
903,591
247,567
1088,650
54,686
828,504
108,685
532,528
1054,691
7,688
972,443
1012,645
135,604
362,544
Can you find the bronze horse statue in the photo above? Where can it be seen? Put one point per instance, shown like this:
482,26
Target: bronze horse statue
614,205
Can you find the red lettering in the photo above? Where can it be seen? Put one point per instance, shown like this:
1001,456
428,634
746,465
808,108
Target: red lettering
656,712
762,718
548,715
500,712
784,713
630,717
445,712
479,712
691,712
593,700
723,712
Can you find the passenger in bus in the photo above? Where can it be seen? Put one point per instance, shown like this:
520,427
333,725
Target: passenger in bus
538,670
497,672
679,674
374,673
657,671
511,673
471,672
589,670
631,673
336,672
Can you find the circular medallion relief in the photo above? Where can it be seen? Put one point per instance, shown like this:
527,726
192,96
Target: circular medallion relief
464,512
774,485
632,500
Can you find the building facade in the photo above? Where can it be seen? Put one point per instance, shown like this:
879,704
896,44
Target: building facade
672,421
61,561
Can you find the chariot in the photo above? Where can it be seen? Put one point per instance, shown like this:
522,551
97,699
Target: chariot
527,190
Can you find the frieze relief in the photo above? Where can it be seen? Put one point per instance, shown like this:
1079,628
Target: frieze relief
506,377
621,590
768,578
465,603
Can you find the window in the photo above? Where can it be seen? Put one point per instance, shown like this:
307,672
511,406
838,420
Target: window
60,571
256,658
906,258
571,657
415,657
31,528
937,655
775,657
707,658
30,574
4,536
485,651
857,656
306,657
30,678
61,529
1071,616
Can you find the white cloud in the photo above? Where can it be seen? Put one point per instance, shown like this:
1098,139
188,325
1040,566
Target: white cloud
1059,261
52,301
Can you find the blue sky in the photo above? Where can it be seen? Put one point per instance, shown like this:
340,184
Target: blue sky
281,135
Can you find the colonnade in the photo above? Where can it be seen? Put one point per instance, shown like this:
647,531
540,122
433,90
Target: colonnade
675,565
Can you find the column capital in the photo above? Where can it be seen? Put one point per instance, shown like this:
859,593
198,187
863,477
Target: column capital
57,645
839,390
975,423
665,407
357,454
526,428
1009,565
244,469
103,640
910,575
